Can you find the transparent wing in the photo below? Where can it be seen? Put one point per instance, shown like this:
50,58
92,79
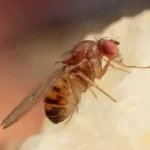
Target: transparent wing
32,98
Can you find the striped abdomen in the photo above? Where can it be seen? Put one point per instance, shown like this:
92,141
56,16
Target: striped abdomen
60,102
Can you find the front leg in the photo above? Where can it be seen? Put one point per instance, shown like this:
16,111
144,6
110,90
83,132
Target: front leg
105,68
96,68
117,68
130,66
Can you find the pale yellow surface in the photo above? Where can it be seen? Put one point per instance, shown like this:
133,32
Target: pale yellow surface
100,123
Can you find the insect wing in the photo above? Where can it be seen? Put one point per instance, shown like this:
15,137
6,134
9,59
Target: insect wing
32,99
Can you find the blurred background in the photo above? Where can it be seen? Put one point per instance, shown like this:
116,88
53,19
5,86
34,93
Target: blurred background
33,34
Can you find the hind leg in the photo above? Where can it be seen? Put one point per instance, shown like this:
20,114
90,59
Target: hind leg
90,82
75,96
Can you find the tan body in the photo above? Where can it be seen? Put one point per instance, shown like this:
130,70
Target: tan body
63,88
60,101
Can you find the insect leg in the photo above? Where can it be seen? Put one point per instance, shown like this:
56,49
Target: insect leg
105,68
75,97
121,69
130,66
90,82
72,67
93,92
115,67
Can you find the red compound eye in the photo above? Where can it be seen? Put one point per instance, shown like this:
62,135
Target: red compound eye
110,48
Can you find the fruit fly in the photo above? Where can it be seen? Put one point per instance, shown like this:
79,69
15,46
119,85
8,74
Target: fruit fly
63,88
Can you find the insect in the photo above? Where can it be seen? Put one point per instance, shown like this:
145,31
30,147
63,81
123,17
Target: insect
63,88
